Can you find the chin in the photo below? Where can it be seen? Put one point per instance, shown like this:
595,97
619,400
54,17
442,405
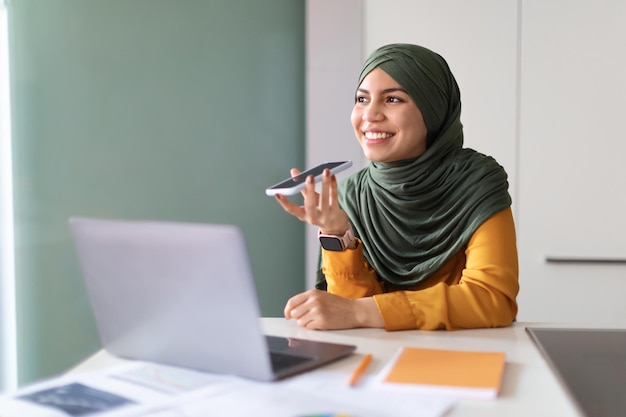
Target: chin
383,160
373,156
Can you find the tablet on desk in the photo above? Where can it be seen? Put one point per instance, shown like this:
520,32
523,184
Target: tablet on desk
591,363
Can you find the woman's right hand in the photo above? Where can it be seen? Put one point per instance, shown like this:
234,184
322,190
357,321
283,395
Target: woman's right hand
318,209
320,310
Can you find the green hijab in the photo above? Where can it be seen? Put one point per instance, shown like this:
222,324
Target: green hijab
414,215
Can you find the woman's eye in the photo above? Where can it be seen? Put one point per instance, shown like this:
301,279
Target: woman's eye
360,99
392,99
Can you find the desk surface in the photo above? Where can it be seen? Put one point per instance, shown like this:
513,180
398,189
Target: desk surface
529,387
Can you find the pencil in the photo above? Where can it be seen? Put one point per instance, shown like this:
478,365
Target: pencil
360,369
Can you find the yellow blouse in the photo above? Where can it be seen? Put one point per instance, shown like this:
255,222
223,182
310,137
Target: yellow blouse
476,288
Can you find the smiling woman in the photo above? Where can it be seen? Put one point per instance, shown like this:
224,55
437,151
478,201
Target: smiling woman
8,351
427,232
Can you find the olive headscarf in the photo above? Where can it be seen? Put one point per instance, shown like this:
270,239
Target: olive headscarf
414,215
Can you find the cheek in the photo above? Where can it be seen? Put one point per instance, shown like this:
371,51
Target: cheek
413,125
355,118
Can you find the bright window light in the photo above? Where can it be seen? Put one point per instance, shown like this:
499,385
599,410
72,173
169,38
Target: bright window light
8,327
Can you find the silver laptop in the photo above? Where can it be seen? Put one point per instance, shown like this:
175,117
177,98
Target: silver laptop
183,294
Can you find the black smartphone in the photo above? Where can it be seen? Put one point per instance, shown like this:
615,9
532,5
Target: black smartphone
295,184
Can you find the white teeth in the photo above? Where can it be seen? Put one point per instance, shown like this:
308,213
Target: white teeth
377,135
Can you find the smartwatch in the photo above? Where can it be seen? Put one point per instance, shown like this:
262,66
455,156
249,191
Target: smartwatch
336,243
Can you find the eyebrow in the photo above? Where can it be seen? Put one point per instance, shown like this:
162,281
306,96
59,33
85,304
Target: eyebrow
386,90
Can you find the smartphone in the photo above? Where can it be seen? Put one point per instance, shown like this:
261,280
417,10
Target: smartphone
293,185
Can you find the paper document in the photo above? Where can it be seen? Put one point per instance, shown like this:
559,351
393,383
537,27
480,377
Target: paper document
150,390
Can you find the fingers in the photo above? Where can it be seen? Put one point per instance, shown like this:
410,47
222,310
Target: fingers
290,207
333,192
308,193
300,308
321,209
310,200
319,310
325,191
291,303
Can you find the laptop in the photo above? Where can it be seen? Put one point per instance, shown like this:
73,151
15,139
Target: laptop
590,363
183,294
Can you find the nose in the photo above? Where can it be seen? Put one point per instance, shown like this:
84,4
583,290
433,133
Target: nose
372,112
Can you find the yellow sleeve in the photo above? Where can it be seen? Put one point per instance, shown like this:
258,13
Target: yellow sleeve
480,293
348,274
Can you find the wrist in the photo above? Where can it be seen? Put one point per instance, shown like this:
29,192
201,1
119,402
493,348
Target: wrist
339,227
367,313
337,242
337,231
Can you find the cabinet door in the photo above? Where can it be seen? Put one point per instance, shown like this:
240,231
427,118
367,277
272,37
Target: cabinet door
571,227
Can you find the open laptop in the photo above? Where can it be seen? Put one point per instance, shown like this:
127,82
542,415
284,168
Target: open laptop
183,294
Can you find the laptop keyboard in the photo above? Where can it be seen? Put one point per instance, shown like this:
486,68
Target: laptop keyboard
282,361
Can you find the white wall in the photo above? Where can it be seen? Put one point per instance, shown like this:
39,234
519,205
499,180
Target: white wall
333,59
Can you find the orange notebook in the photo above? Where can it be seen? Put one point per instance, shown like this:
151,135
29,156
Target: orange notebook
453,373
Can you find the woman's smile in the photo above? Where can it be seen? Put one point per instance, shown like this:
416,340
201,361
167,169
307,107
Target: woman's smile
376,137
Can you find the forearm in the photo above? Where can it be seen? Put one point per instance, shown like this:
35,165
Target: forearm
449,307
482,295
348,274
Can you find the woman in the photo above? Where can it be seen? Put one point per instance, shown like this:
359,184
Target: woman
423,237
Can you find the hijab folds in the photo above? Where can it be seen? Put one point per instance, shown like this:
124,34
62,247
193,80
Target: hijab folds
414,215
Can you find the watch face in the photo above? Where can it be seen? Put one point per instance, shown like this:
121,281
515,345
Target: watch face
331,243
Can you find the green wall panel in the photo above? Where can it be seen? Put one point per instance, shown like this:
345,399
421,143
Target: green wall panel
148,109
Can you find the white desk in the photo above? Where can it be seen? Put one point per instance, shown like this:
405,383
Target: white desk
529,387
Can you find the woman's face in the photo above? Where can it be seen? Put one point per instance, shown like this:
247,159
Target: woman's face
386,121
